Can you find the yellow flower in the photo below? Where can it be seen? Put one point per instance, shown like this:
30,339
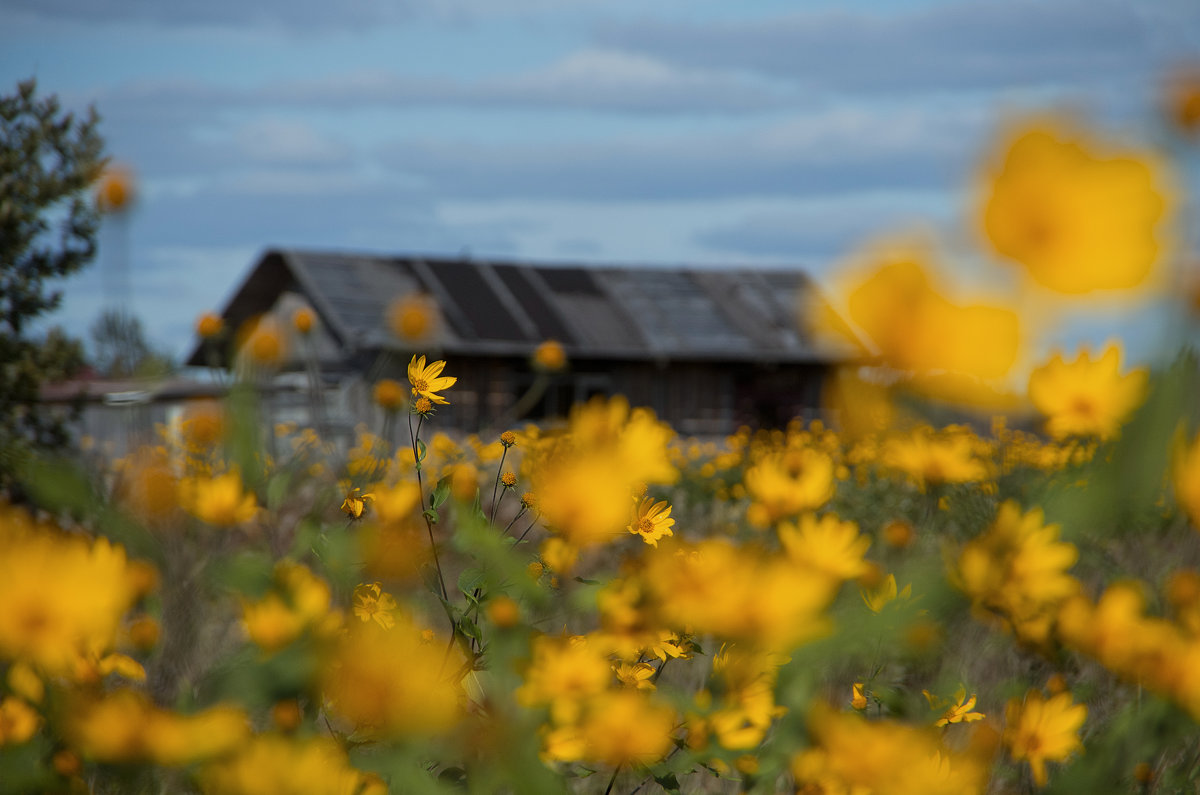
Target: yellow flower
953,350
124,726
298,601
509,480
854,755
1043,730
858,699
1018,570
885,594
388,394
508,438
550,356
18,721
209,325
827,546
303,320
652,520
1085,397
934,458
270,763
218,500
427,380
957,712
262,341
564,675
115,190
63,595
636,675
355,503
623,727
372,602
784,484
413,318
393,683
1076,219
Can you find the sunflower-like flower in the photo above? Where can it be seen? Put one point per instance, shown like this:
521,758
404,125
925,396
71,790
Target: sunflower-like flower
372,602
1077,219
1086,397
652,520
219,500
1041,730
958,711
355,503
427,379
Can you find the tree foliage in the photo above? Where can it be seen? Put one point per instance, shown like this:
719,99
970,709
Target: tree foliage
120,350
48,160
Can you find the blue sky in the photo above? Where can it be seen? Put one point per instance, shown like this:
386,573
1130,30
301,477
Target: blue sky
670,132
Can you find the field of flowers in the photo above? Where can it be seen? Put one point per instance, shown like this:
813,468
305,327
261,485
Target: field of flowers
951,585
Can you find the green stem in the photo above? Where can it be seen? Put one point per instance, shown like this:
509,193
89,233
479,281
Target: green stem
496,485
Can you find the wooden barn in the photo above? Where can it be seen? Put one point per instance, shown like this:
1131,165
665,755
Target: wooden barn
707,349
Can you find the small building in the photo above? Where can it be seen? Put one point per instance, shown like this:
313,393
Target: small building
707,349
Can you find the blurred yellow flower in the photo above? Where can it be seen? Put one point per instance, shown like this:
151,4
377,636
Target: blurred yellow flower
393,683
298,600
124,726
1017,570
550,356
623,727
1077,219
116,189
427,380
915,329
564,675
218,500
371,602
957,711
262,342
1039,730
652,520
414,318
269,763
878,598
18,721
827,546
303,320
1085,397
388,394
931,458
63,595
784,484
853,755
858,699
209,325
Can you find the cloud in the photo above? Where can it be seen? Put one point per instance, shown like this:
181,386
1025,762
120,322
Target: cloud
986,45
839,151
278,14
817,231
589,79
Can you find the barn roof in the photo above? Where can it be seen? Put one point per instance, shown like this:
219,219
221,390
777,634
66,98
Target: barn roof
494,307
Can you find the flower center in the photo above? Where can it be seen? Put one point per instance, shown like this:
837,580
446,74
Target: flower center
420,385
645,526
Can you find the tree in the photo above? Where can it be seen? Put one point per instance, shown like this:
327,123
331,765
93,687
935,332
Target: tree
48,225
120,350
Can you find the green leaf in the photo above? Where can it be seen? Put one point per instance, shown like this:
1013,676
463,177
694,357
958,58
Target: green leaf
431,515
470,580
668,782
421,451
440,492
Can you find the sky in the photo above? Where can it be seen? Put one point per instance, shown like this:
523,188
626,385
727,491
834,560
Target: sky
672,132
